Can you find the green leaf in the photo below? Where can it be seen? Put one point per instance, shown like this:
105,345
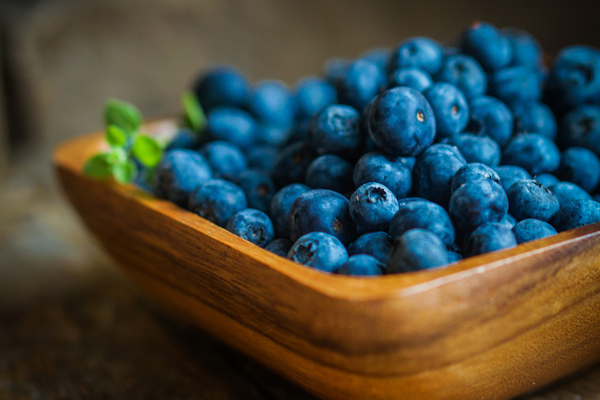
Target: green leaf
99,166
123,115
147,150
124,172
115,136
118,155
194,114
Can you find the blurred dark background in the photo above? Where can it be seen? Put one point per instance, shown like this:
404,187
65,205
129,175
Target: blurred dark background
70,325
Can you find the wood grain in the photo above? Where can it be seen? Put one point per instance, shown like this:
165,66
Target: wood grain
493,326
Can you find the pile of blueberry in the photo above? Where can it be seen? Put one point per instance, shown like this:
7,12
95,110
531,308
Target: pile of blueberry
400,160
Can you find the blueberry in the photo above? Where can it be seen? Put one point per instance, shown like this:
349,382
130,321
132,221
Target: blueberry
490,237
312,95
453,257
184,139
508,221
580,166
425,215
510,174
378,56
330,172
491,117
321,210
487,45
574,78
477,148
417,249
596,197
476,203
529,199
300,132
532,229
418,52
534,117
576,214
217,200
253,226
258,188
393,172
534,153
401,122
515,85
281,204
336,129
274,135
281,247
178,174
272,103
362,265
319,250
465,73
376,244
262,157
292,163
226,159
546,179
360,83
222,86
450,108
413,78
407,200
581,128
526,50
473,172
372,207
334,69
231,125
567,192
434,171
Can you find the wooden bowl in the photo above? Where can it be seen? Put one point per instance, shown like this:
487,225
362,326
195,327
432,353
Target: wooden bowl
489,327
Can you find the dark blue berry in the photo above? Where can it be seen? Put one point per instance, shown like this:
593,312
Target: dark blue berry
450,108
362,265
273,135
184,139
581,128
376,244
253,226
393,172
319,250
476,203
417,249
530,199
336,130
258,188
576,214
330,172
292,163
272,103
281,204
378,56
487,45
491,117
222,86
490,237
526,50
473,172
372,207
580,166
532,229
321,210
434,171
514,85
534,117
546,179
567,192
360,83
413,78
226,159
401,122
426,215
280,246
418,52
231,125
477,148
312,95
178,174
510,174
534,153
217,200
262,157
465,73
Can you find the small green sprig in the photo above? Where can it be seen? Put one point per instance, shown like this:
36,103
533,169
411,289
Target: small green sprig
194,117
122,122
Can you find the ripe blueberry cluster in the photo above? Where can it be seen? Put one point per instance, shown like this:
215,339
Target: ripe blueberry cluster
400,160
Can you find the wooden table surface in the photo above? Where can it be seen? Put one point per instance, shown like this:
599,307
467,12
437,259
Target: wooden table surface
72,326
